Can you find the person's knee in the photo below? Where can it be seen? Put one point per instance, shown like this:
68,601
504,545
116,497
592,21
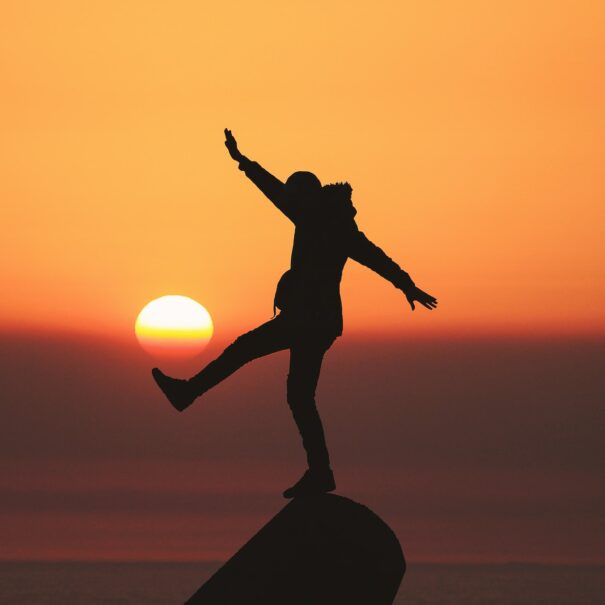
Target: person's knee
299,396
239,349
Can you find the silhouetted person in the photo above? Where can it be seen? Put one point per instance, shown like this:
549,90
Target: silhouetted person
308,297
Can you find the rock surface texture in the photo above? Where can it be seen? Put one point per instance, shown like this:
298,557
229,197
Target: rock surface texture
324,550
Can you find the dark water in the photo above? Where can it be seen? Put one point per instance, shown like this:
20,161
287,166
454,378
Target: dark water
173,583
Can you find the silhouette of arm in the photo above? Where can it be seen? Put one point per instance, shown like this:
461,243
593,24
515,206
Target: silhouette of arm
271,186
369,254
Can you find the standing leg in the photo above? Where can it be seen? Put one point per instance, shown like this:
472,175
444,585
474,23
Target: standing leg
267,338
303,375
305,365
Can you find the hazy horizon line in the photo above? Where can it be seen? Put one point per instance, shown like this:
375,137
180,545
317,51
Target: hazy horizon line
432,562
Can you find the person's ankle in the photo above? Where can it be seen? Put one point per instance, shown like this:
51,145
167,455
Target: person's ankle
194,387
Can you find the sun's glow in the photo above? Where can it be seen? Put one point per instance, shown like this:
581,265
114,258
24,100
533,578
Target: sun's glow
174,326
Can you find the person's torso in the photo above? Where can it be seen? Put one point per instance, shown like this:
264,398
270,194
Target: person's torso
309,291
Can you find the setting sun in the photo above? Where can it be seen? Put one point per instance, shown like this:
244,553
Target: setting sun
174,326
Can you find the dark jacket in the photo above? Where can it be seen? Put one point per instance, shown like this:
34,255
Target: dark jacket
325,236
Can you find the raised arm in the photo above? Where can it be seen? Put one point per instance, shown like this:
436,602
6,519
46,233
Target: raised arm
270,185
369,254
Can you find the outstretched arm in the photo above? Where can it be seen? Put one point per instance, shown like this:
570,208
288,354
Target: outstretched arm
369,254
271,186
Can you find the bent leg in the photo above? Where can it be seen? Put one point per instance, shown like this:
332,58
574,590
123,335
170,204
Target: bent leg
264,340
305,365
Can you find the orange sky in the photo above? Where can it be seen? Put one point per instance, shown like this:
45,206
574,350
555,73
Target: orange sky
473,134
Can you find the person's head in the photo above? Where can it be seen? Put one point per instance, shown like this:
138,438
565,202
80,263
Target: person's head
303,187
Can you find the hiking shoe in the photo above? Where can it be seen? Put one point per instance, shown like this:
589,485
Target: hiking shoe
178,391
313,482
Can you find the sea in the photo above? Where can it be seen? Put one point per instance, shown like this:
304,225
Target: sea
145,583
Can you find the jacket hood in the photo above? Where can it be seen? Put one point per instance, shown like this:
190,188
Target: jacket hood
336,201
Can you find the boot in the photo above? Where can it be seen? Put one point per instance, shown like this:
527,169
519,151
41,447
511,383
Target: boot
313,482
179,392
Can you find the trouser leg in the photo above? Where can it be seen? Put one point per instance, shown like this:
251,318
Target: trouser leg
303,375
267,338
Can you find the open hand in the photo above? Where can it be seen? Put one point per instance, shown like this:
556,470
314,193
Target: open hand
417,295
231,145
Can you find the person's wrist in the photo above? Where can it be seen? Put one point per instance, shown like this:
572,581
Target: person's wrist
405,281
406,285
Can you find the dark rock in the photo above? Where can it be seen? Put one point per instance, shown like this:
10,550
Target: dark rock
325,550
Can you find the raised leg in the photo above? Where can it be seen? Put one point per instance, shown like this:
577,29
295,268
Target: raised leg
269,337
266,339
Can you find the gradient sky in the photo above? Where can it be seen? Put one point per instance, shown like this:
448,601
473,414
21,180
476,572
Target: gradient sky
473,134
